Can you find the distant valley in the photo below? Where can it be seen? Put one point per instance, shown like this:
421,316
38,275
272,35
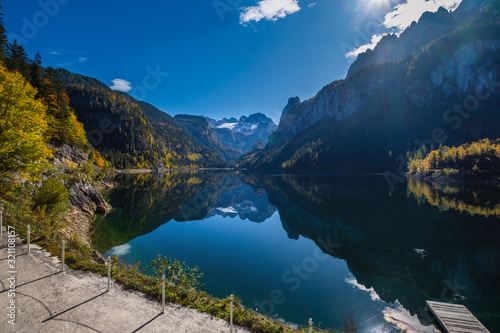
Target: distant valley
230,137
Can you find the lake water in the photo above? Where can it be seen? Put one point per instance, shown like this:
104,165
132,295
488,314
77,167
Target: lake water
319,246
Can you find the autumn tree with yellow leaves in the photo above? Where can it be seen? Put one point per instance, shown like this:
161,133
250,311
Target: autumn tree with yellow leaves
22,126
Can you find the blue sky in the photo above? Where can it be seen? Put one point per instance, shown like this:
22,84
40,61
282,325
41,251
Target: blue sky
218,58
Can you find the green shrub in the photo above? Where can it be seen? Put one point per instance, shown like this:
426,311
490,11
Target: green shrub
51,197
176,272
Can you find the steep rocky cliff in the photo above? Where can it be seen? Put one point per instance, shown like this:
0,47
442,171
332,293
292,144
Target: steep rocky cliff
85,200
436,83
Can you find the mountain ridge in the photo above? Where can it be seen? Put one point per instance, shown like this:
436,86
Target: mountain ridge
243,133
132,133
382,110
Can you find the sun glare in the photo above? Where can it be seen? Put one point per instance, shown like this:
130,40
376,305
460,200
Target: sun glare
378,3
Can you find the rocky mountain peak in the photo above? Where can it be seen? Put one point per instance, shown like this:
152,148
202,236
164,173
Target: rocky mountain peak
291,102
242,134
255,118
429,27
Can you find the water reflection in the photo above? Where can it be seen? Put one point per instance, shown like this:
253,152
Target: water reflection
399,249
396,249
143,202
473,199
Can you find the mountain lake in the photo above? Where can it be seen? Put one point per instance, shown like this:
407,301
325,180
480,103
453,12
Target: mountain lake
318,246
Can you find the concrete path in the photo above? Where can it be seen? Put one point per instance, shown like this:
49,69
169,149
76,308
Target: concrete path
47,300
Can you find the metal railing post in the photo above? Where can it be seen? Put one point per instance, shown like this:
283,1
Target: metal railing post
1,221
29,232
109,273
163,293
231,314
62,261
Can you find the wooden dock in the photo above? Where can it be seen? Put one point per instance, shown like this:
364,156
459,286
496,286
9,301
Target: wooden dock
455,318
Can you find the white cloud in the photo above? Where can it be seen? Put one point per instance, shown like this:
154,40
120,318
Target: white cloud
353,54
404,14
311,4
353,282
82,59
269,10
121,85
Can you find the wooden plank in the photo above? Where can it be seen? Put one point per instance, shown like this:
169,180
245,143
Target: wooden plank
464,330
463,324
449,308
458,316
450,311
455,318
446,304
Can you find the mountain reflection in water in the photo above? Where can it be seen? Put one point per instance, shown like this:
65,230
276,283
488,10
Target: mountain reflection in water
402,248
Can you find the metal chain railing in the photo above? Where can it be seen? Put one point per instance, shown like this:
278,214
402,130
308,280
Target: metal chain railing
281,321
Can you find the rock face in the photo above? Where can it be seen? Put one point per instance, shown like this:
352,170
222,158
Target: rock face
66,153
82,194
85,197
242,134
292,101
390,47
429,27
341,98
396,96
85,200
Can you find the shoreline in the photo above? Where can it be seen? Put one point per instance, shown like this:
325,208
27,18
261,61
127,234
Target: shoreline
81,217
456,179
139,171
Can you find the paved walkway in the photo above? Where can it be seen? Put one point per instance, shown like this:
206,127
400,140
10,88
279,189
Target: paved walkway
47,300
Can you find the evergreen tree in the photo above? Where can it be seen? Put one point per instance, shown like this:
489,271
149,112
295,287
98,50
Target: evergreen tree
17,59
3,38
36,72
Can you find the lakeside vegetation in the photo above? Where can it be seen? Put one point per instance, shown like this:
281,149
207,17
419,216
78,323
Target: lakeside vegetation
480,159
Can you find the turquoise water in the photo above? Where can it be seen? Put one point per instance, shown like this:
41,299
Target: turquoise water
317,246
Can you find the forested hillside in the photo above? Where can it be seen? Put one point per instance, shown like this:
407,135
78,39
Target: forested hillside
475,159
198,127
36,115
47,166
131,133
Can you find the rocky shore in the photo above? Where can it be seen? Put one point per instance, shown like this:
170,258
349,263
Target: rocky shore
85,194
